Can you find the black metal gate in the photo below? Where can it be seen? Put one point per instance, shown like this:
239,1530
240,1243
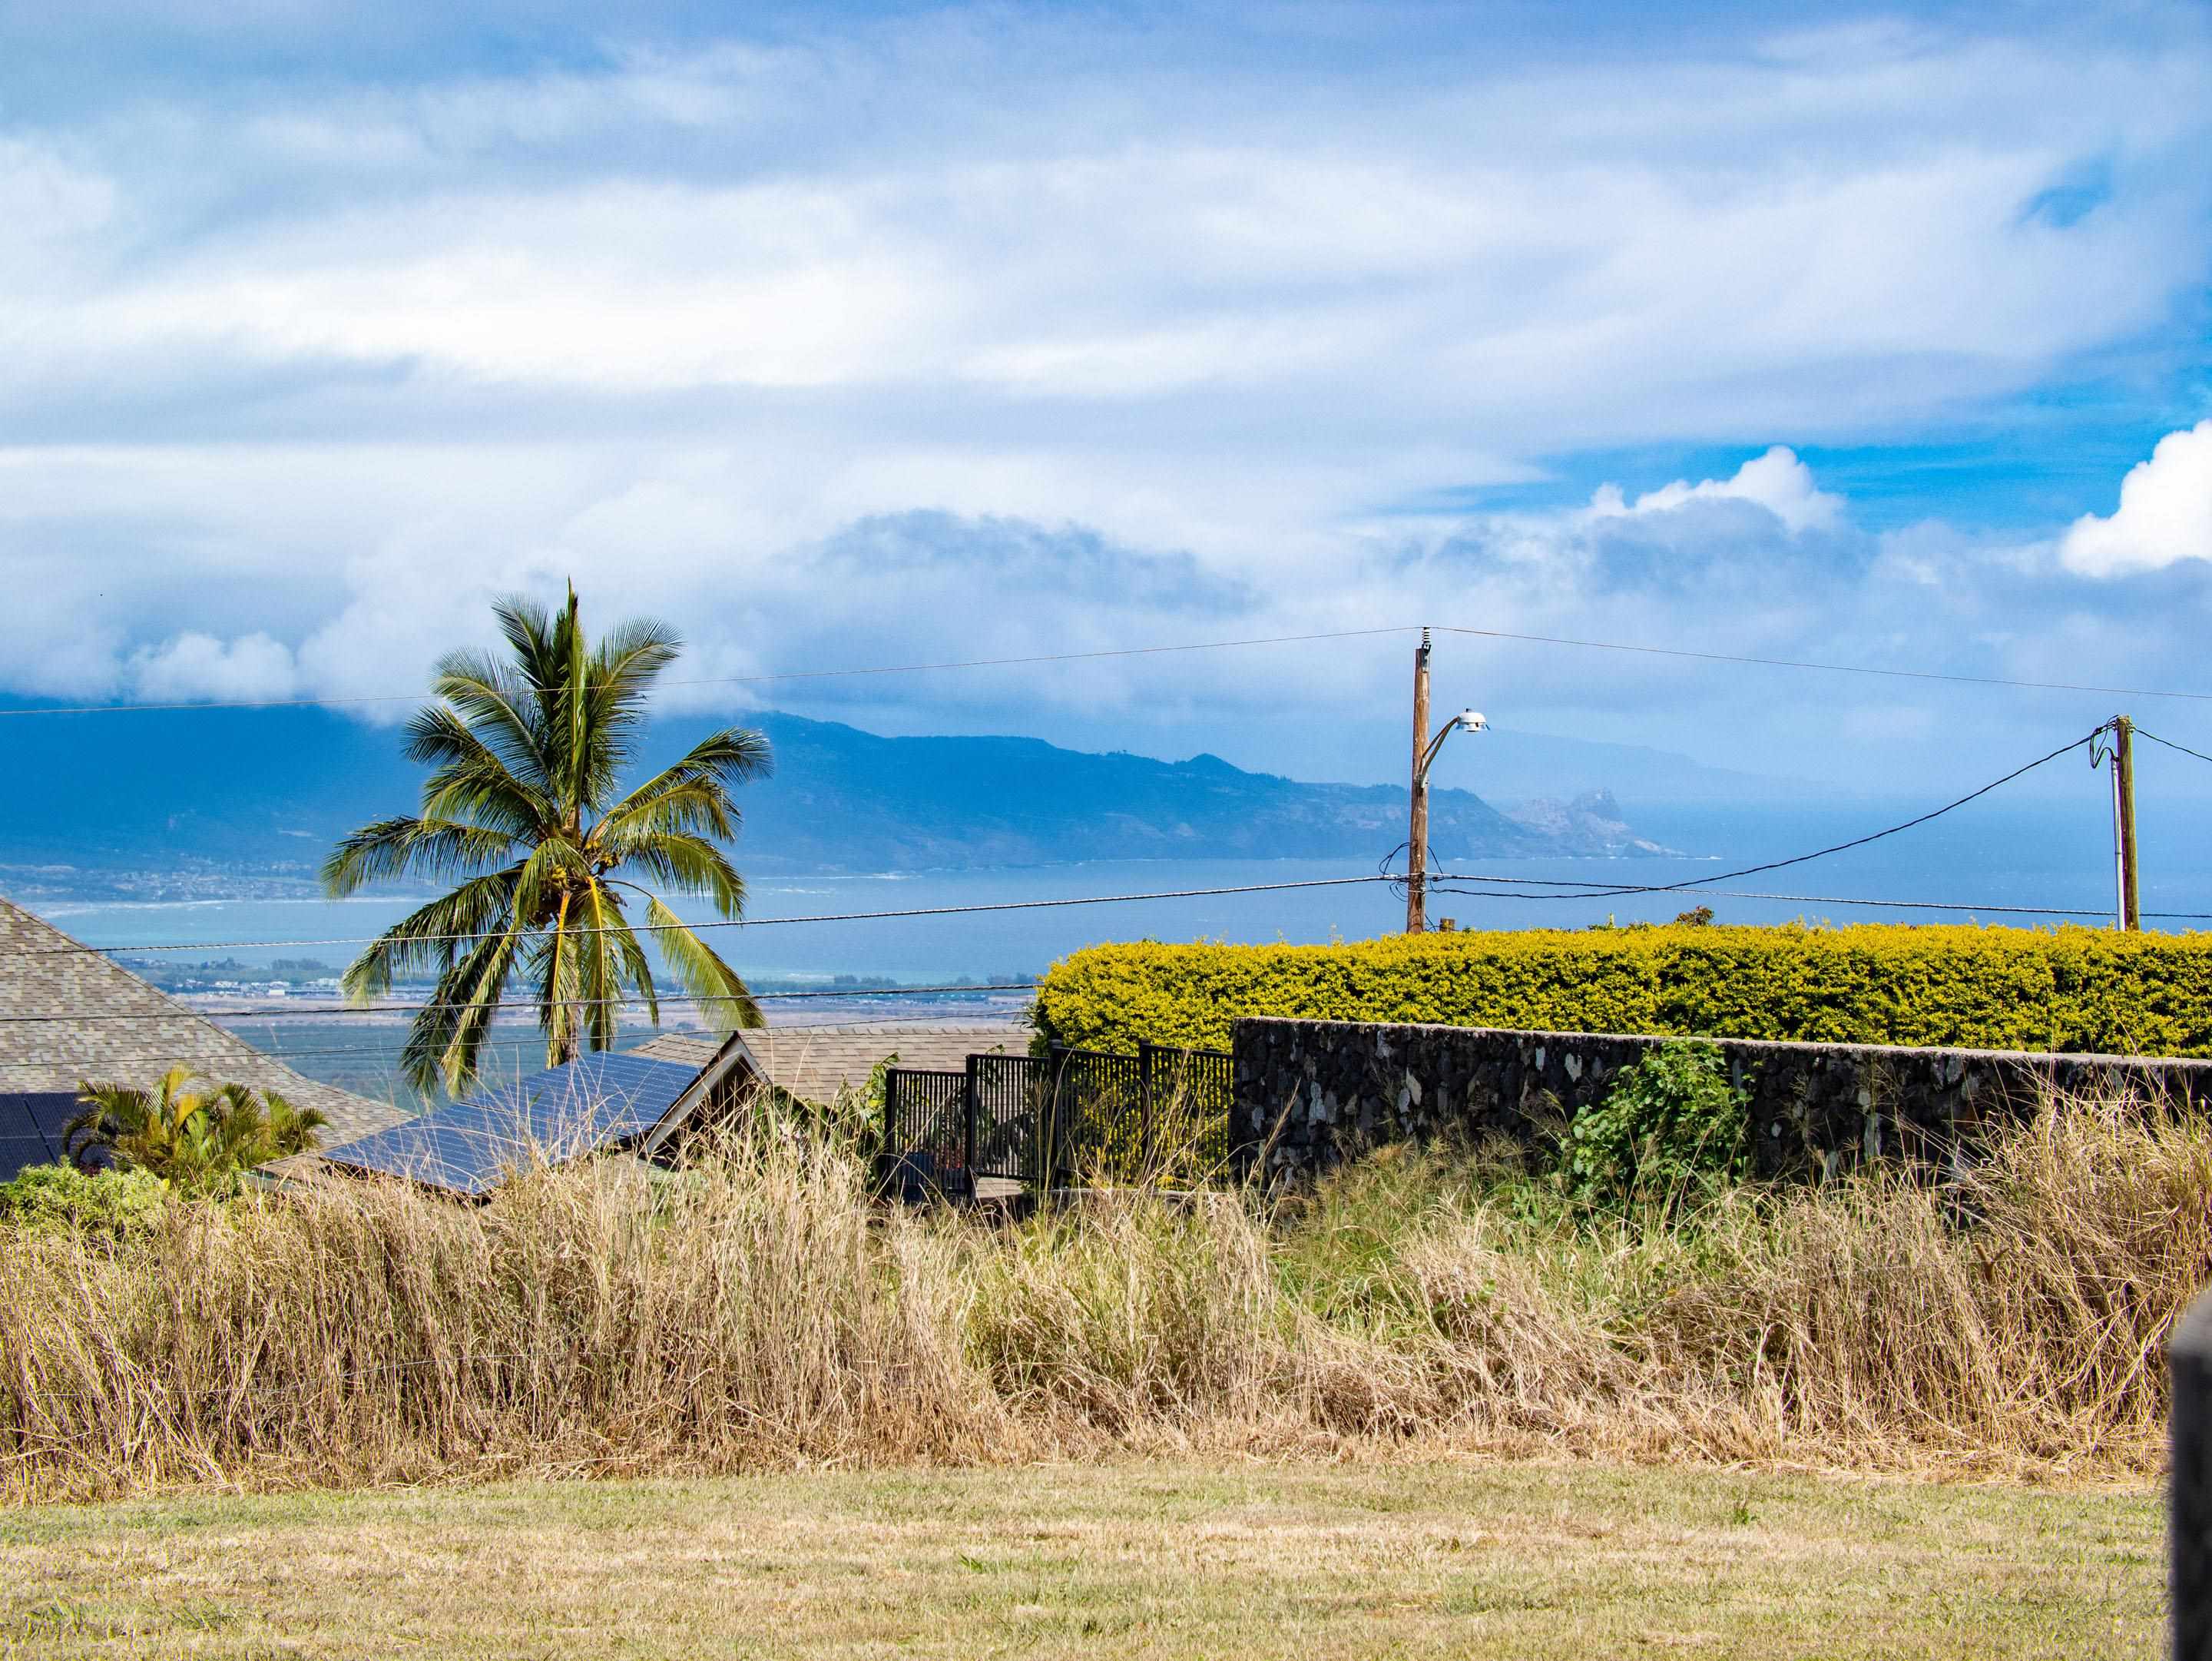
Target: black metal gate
1072,1118
926,1126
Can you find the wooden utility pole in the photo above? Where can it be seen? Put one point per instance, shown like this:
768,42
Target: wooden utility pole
2123,820
1417,835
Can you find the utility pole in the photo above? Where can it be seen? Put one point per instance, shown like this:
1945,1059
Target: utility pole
1417,835
2123,820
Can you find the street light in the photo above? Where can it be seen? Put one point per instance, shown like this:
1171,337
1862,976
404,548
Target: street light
1424,753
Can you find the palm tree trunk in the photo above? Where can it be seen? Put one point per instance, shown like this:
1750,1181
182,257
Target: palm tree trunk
567,1034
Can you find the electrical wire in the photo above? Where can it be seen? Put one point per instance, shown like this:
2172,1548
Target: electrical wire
169,1058
677,1001
1398,880
1825,668
1691,884
2171,745
739,922
1809,899
1115,899
752,680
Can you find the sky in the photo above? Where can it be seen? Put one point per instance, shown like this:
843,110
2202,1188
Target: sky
872,336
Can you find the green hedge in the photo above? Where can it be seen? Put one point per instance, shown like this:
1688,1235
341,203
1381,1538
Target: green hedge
2074,990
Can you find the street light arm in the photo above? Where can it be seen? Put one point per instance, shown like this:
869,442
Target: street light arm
1435,744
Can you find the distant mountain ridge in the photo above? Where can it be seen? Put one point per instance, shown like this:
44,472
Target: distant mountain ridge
861,801
183,803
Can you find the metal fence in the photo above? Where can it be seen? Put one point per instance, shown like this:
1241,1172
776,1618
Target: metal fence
1071,1118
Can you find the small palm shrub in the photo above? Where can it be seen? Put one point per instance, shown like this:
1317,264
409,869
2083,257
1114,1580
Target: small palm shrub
1676,1126
199,1137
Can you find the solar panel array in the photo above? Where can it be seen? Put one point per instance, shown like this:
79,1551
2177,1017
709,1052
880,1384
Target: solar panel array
31,1125
471,1145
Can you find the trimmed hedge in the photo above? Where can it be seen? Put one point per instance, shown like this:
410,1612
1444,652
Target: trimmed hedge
2080,990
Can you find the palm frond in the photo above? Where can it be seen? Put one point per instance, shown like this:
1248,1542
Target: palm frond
434,935
412,848
293,1128
721,993
447,1033
499,705
694,793
683,865
476,779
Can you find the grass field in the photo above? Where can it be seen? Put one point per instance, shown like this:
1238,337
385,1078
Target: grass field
1315,1562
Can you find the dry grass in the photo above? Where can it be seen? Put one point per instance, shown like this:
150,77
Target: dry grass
759,1311
1169,1561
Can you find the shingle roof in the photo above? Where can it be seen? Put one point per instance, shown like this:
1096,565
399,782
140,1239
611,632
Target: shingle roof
114,1028
815,1062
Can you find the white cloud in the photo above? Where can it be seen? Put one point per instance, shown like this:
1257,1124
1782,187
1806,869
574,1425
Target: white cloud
2164,514
194,666
1776,481
1099,340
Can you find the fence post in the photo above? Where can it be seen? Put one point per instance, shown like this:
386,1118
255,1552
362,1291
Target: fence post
968,1123
2189,1362
1050,1116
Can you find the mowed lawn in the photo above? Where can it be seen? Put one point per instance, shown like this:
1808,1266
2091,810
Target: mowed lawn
1309,1561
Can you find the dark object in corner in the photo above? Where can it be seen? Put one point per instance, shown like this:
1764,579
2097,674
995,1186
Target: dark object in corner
2189,1530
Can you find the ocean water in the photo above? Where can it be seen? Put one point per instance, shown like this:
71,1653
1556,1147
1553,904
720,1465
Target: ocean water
2012,863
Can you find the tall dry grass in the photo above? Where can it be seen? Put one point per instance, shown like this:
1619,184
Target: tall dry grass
761,1310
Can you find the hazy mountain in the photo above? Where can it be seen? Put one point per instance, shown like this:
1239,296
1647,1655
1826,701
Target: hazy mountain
208,795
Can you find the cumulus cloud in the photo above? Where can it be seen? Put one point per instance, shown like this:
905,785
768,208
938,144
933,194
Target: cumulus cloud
1776,481
197,667
2164,514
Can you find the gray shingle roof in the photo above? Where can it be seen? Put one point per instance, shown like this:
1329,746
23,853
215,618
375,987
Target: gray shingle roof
815,1062
115,1028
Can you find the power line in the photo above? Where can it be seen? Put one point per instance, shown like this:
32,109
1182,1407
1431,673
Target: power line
1688,883
290,1013
2171,745
748,680
741,923
1825,668
1493,893
1110,899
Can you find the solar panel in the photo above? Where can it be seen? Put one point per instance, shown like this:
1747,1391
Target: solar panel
31,1125
471,1145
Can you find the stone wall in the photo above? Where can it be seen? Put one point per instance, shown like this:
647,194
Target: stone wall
1310,1093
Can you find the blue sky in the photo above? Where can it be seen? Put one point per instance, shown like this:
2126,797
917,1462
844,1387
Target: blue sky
888,334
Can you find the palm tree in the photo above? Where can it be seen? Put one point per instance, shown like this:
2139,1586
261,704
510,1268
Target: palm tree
521,807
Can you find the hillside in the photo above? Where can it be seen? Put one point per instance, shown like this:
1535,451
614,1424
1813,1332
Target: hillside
196,803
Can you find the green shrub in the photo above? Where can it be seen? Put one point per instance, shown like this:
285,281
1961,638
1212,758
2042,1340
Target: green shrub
1674,1126
62,1196
2064,989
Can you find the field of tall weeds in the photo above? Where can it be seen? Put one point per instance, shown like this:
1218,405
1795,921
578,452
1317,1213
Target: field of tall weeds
760,1309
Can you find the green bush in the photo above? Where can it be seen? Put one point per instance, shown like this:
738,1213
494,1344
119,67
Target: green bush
2062,989
1674,1126
62,1196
